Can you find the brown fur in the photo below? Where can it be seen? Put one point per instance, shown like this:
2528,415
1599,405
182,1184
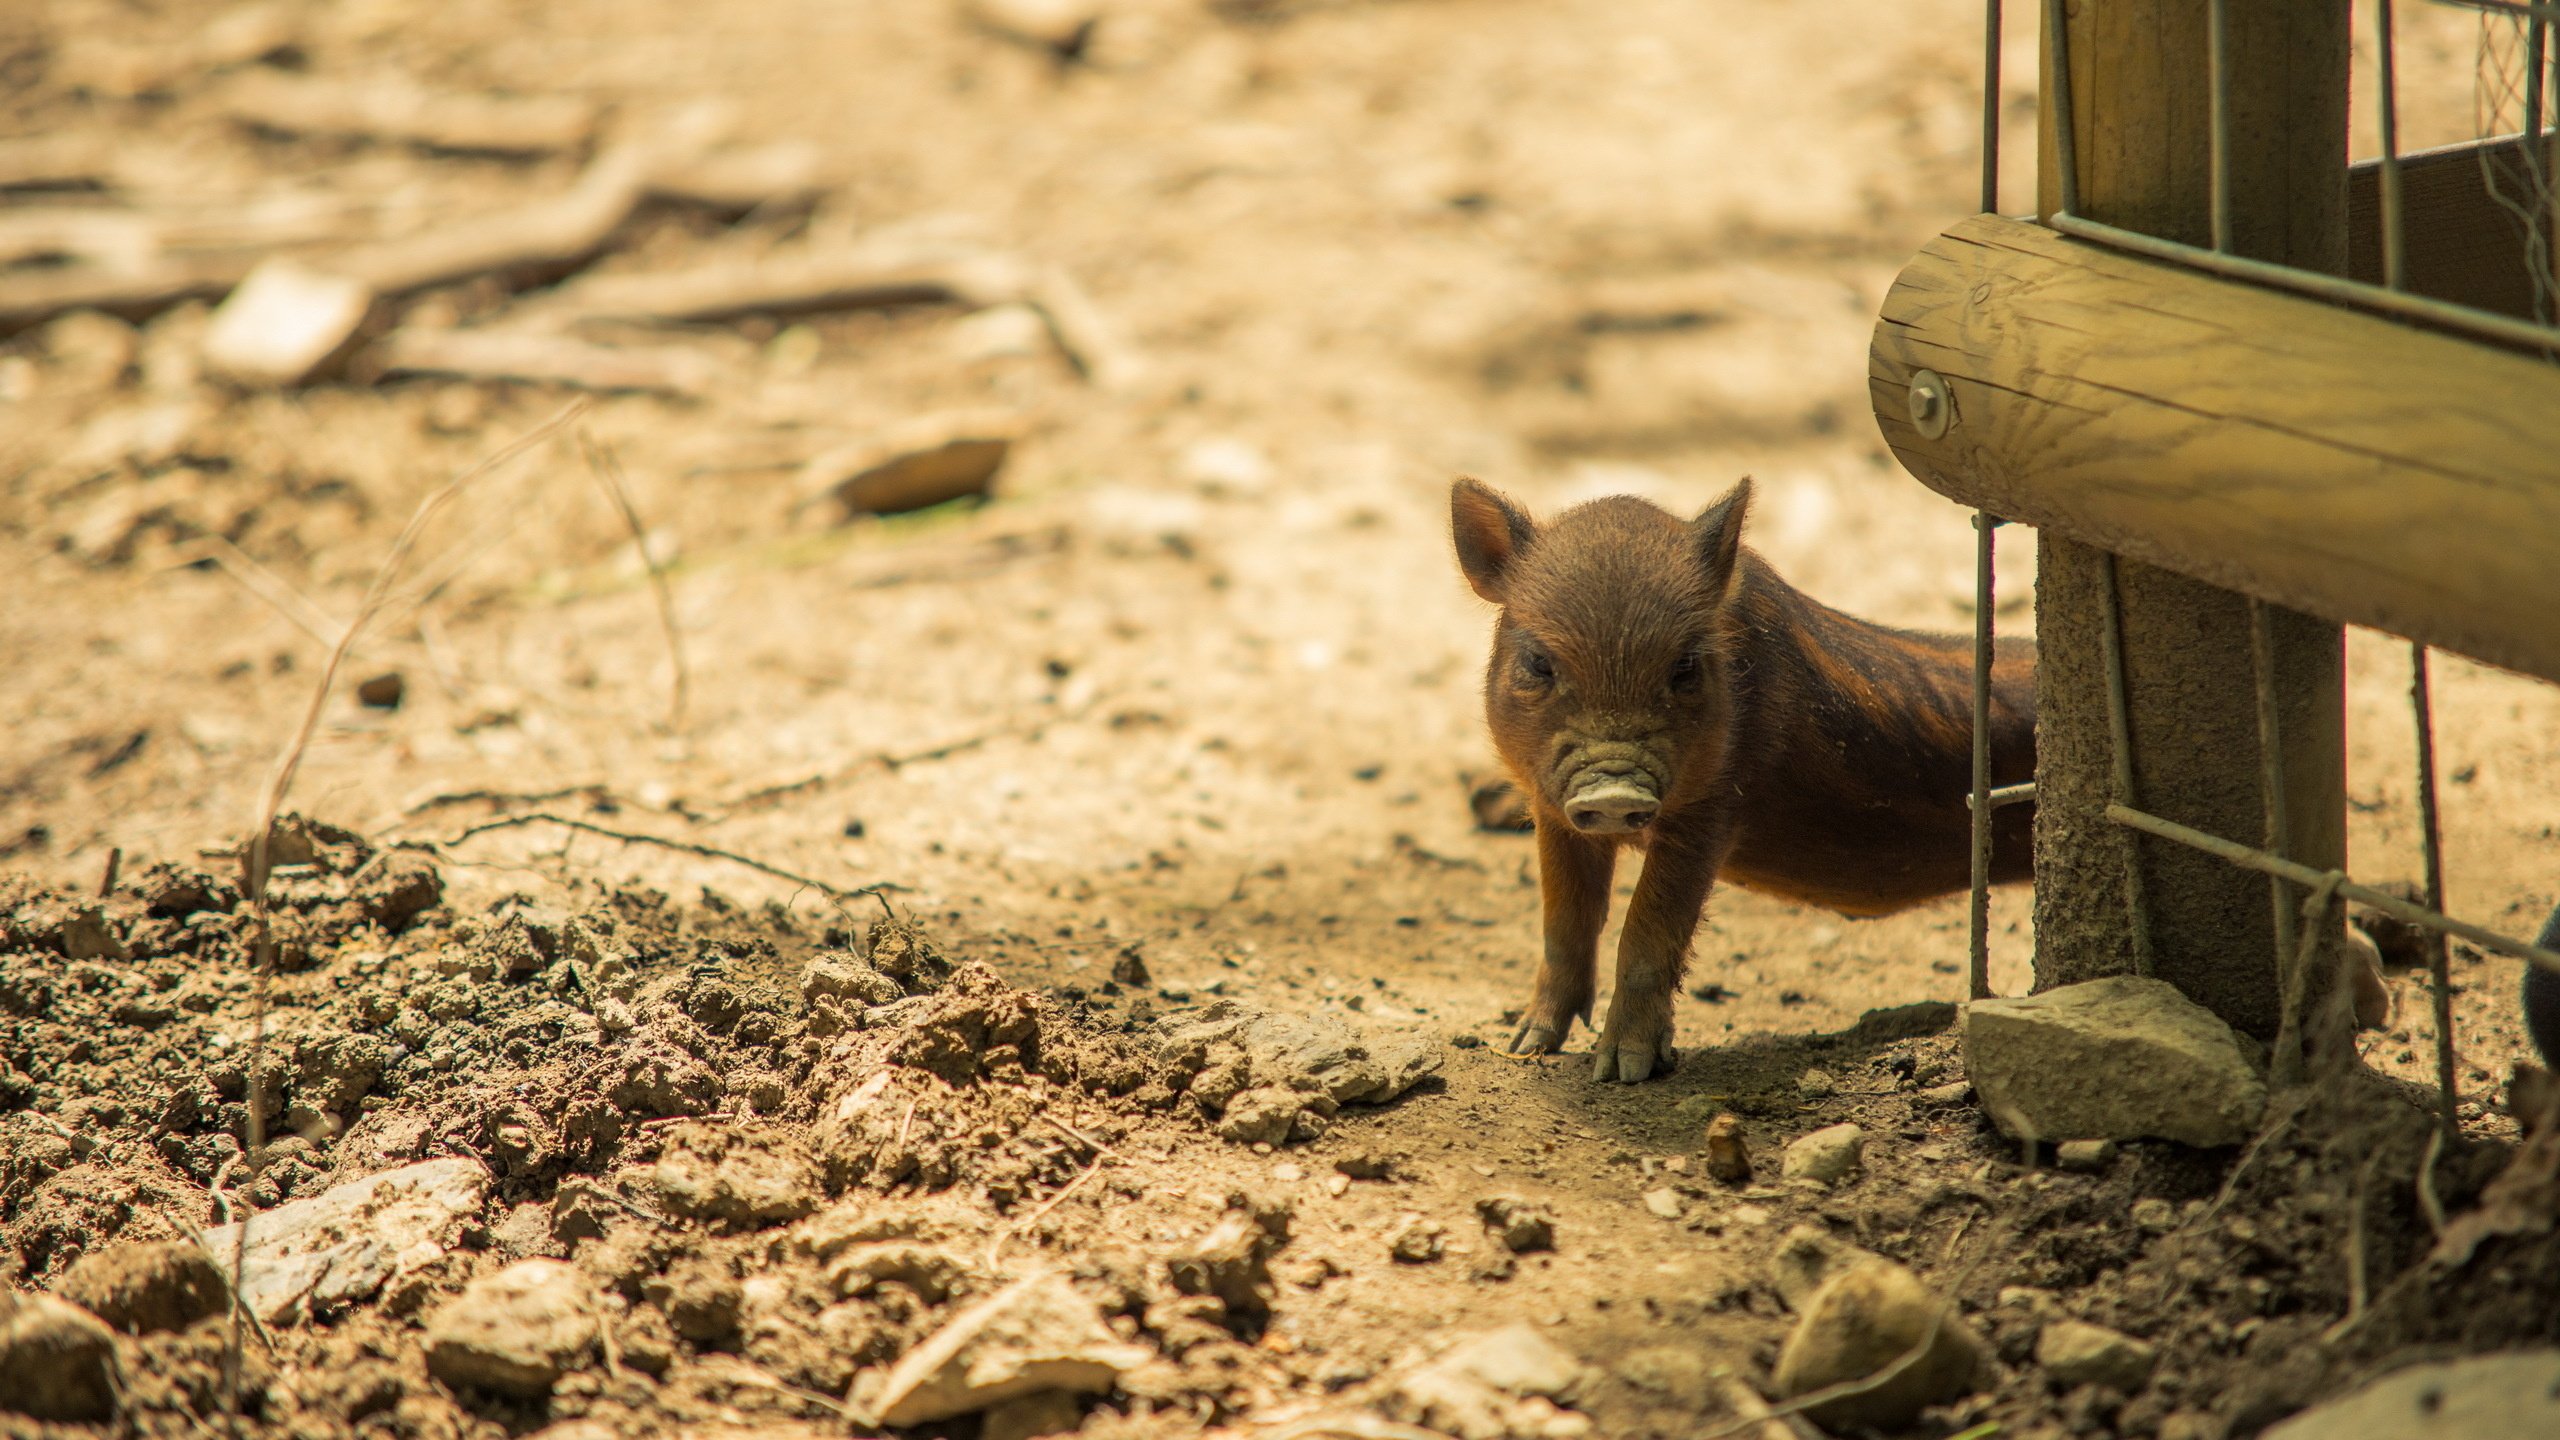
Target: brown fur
1799,751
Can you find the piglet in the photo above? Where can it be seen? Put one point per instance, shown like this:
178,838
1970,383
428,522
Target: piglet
1655,684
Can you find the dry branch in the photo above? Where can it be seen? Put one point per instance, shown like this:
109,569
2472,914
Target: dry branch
797,283
396,108
682,847
547,359
543,236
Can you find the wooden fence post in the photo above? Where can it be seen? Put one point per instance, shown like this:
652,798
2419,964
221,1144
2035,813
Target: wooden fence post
2141,85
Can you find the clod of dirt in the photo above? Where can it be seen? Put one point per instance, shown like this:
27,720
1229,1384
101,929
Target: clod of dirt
1036,1334
2123,1058
1864,1318
336,1248
1520,1226
1230,1263
1031,1417
1270,1078
1826,1155
1416,1241
835,975
1728,1157
1131,968
514,1332
57,1361
1507,1382
396,892
2074,1352
736,1177
1664,1203
699,1297
930,1274
145,1286
1270,1115
2512,1394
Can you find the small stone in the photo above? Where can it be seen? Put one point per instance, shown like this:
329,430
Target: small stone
1817,1084
1826,1155
333,1249
2074,1353
924,462
1728,1158
1416,1241
284,324
1863,1319
146,1286
2154,1214
1262,1116
2516,1393
515,1332
1130,968
57,1361
1037,1334
1365,1165
1519,1226
1496,1385
2088,1155
1954,1092
2122,1058
1665,1203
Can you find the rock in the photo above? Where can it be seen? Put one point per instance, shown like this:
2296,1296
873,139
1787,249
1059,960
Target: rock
57,1361
2075,1353
739,1177
1416,1241
1817,1084
1728,1158
1517,1225
1864,1318
925,462
285,324
144,1286
1491,1386
1318,1053
2154,1214
1665,1203
835,975
382,692
1954,1092
314,1256
2090,1155
514,1332
403,887
1033,1335
2123,1058
1267,1115
1825,1155
2512,1394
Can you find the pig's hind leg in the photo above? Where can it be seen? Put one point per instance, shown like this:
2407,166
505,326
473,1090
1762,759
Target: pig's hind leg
1573,883
1679,868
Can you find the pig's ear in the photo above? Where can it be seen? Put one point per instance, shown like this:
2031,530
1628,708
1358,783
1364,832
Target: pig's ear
1717,533
1491,533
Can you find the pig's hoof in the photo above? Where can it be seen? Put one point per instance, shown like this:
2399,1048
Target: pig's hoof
1535,1038
1630,1058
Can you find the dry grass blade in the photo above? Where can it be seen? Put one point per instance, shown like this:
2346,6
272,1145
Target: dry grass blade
685,847
607,469
256,862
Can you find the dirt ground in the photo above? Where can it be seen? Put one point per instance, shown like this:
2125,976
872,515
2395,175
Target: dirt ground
1193,694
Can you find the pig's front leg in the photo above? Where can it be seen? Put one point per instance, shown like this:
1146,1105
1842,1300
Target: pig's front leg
1679,867
1573,883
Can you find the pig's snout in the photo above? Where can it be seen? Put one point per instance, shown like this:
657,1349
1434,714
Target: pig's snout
1613,805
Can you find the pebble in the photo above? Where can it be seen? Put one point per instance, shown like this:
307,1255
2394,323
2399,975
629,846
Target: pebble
57,1361
1728,1157
1520,1226
1416,1241
1861,1320
514,1332
2075,1353
2086,1155
1665,1202
2154,1214
1826,1155
1817,1084
1954,1092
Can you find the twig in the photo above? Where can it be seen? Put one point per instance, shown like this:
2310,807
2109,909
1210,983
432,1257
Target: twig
1081,1138
687,847
1746,1404
2429,1203
607,469
264,583
996,1246
2359,1284
500,797
257,863
115,862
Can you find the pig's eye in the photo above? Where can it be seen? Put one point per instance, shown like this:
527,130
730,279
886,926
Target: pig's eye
1685,673
1536,665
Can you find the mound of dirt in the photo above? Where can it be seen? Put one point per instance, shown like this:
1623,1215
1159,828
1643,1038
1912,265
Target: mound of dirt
625,1163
